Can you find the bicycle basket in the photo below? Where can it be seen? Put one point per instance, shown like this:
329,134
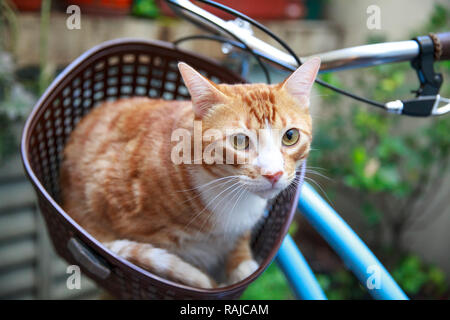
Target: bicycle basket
114,69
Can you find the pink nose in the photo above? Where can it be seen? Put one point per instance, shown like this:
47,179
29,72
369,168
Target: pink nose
273,177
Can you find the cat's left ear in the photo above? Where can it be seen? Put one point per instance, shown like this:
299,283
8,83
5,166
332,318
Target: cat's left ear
204,93
299,83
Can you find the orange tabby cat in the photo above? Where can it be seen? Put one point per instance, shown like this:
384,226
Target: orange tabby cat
188,221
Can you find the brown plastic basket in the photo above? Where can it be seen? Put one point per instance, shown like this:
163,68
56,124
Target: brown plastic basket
114,69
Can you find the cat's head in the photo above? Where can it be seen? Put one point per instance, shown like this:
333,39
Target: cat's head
265,130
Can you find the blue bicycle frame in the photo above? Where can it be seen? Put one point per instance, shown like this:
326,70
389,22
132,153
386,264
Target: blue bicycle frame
355,254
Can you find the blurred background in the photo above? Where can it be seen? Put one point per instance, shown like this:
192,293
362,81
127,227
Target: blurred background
388,176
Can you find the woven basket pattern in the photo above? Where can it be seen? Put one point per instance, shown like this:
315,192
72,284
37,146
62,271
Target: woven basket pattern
117,69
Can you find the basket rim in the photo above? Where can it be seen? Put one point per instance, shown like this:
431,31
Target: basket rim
24,149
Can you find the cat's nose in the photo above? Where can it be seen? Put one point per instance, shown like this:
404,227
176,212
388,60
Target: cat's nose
273,177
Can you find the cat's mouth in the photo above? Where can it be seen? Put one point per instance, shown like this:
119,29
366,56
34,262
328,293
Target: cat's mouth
270,191
265,189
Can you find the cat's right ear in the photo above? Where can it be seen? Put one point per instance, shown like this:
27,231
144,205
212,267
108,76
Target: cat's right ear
204,93
300,82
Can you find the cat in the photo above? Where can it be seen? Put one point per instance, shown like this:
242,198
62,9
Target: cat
188,222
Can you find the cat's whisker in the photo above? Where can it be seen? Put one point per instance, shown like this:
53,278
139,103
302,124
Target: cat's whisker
199,193
235,184
237,193
317,168
242,192
242,187
213,210
209,202
201,189
318,174
320,187
208,183
222,212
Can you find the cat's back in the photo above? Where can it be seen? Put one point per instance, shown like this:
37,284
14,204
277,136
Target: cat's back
115,127
123,120
106,153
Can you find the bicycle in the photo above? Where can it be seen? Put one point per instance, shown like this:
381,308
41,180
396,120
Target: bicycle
67,100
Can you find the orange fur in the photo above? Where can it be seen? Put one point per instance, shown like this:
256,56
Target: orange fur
119,183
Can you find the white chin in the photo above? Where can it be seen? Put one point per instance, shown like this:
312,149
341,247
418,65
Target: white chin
268,194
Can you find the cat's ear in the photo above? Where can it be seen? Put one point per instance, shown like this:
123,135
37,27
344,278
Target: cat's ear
204,93
300,82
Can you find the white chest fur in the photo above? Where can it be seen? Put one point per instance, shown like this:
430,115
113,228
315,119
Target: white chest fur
234,211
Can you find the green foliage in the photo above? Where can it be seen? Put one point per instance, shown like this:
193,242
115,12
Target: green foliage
7,138
293,228
341,285
145,8
270,285
439,20
416,278
390,163
15,102
410,275
419,278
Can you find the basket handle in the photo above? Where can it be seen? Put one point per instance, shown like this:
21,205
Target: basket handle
88,259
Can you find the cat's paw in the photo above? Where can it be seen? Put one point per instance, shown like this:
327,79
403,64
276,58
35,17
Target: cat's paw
162,263
199,280
242,271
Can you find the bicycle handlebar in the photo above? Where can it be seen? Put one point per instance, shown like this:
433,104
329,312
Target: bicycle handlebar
419,51
441,45
368,55
348,58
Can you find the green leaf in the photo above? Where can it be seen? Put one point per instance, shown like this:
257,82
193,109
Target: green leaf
270,285
373,216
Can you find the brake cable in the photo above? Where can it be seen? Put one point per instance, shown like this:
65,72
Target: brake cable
230,42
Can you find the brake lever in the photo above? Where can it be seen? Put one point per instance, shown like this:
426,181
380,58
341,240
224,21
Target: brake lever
427,98
423,106
441,110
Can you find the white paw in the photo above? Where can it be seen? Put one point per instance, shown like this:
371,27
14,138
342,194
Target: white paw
243,270
120,247
199,280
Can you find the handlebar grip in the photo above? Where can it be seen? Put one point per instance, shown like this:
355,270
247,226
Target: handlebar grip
441,45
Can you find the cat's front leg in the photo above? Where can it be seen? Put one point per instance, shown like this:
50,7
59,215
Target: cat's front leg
240,262
161,262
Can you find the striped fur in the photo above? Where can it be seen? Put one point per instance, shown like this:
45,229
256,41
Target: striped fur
186,222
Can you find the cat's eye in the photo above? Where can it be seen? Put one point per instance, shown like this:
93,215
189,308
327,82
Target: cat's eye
291,137
240,141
